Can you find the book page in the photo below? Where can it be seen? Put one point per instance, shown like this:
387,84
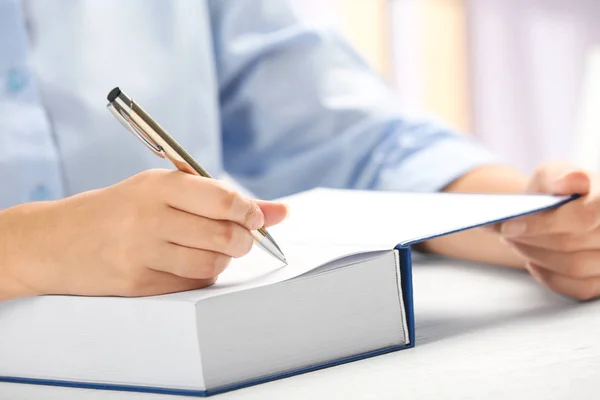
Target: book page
370,220
258,268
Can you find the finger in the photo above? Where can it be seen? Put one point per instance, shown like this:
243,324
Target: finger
212,199
274,212
189,230
559,177
158,282
577,216
576,182
582,264
566,242
555,178
163,283
188,262
581,289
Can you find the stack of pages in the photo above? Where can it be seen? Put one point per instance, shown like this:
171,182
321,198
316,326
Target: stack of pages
346,294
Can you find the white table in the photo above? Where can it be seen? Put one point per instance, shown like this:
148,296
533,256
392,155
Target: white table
482,332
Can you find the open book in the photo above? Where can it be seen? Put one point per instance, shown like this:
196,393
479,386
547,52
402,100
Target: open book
346,294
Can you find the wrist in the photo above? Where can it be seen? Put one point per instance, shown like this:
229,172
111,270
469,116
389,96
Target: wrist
490,179
480,244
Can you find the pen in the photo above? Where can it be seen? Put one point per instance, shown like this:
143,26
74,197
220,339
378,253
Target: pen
138,122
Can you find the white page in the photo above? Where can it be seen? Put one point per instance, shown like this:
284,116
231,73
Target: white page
369,220
259,269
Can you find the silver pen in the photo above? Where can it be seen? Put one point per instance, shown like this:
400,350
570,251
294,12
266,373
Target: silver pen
138,122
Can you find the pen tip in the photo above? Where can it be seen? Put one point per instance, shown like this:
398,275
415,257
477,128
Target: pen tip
281,257
113,94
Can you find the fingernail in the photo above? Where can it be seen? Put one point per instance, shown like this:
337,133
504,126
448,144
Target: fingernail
513,228
564,176
560,182
287,211
571,178
258,219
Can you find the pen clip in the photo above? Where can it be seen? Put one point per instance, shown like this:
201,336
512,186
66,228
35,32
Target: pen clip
132,128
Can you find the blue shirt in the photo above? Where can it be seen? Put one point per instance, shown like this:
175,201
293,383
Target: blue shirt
247,87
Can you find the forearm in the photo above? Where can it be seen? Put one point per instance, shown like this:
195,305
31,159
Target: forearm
10,285
480,244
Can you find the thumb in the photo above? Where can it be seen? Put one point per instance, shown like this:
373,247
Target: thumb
274,212
559,178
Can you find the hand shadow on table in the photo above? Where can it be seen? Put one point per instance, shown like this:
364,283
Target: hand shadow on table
432,327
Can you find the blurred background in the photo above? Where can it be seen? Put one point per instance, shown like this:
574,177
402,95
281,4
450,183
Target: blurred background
522,75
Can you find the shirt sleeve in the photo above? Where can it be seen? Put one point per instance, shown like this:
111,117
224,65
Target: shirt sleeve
30,168
301,109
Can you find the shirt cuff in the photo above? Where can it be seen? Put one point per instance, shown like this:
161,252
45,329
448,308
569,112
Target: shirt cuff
436,166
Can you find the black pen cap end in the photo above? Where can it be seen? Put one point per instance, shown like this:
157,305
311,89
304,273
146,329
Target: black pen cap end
114,94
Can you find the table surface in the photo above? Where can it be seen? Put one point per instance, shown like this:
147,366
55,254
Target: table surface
482,332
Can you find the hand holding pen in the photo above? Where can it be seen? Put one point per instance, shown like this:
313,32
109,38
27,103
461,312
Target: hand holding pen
137,121
159,231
